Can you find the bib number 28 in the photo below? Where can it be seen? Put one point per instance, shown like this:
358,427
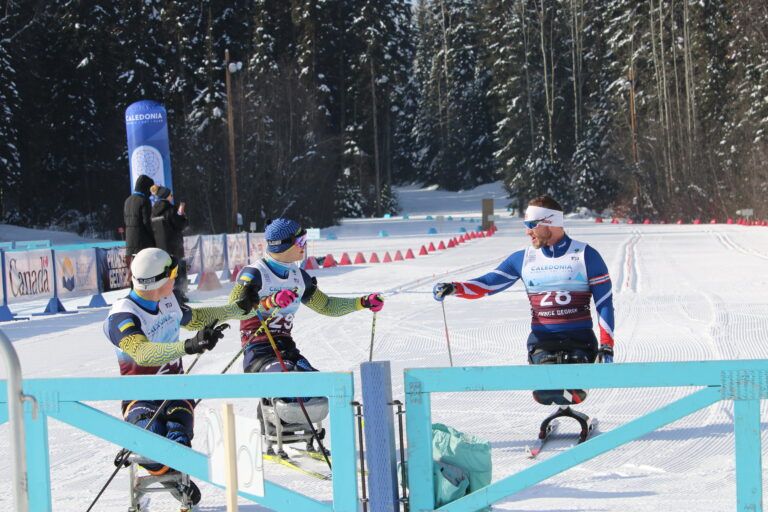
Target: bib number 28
561,298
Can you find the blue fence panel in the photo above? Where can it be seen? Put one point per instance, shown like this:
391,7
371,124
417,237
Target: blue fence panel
61,399
745,382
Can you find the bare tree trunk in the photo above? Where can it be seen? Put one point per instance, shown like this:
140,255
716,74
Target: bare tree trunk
577,22
665,92
527,73
445,68
375,114
549,95
678,152
690,90
632,107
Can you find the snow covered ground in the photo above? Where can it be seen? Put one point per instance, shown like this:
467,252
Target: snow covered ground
681,293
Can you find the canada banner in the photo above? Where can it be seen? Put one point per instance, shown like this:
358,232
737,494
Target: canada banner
112,268
213,252
76,273
29,275
192,253
237,250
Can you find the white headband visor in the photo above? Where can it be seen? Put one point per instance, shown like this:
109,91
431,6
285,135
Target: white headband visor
545,216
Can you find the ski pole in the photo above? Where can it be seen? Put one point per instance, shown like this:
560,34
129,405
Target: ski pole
447,338
298,399
373,332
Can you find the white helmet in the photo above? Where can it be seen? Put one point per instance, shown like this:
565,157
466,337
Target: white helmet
151,269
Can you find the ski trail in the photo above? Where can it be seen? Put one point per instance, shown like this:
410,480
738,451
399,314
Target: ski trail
729,244
628,275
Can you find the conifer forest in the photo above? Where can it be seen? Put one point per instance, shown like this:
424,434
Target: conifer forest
652,108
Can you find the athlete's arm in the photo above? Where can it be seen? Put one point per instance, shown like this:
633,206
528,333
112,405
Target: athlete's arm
600,285
321,303
196,319
126,334
495,281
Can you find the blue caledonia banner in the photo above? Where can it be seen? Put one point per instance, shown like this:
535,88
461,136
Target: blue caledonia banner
146,124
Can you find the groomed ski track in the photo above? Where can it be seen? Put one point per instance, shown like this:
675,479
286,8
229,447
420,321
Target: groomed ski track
681,293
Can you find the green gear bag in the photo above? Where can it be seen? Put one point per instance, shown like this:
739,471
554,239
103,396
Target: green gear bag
462,463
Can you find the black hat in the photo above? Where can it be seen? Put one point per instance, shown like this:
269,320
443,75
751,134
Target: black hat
163,192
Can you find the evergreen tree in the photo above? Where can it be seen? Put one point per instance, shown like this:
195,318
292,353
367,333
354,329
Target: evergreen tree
10,159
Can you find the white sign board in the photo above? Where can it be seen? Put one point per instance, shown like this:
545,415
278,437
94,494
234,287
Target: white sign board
250,465
255,246
28,275
237,250
313,234
192,253
213,252
76,273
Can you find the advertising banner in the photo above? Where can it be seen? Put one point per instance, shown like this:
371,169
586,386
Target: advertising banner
29,275
112,268
237,250
192,253
213,252
76,273
3,296
255,246
146,124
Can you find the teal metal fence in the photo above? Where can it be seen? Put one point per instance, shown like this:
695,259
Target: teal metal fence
744,382
63,399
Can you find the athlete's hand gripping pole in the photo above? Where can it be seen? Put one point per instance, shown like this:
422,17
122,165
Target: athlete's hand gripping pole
298,399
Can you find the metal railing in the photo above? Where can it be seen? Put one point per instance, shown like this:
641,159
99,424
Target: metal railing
15,398
63,399
744,382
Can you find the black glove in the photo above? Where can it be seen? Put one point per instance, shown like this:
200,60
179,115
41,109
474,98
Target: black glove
205,339
605,354
442,290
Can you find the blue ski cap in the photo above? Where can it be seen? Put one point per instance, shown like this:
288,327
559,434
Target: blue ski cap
280,234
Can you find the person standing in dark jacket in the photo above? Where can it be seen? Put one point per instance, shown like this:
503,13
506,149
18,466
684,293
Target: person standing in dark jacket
137,213
168,222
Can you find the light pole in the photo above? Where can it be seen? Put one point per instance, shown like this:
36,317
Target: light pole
231,67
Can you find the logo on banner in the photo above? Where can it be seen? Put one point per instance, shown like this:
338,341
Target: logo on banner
28,282
67,274
151,116
117,271
147,160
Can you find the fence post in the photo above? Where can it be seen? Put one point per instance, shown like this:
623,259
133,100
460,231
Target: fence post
225,274
38,458
342,420
54,304
16,419
749,480
418,425
97,300
5,312
380,450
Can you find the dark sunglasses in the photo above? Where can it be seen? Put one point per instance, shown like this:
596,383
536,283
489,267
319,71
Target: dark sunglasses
530,224
299,239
